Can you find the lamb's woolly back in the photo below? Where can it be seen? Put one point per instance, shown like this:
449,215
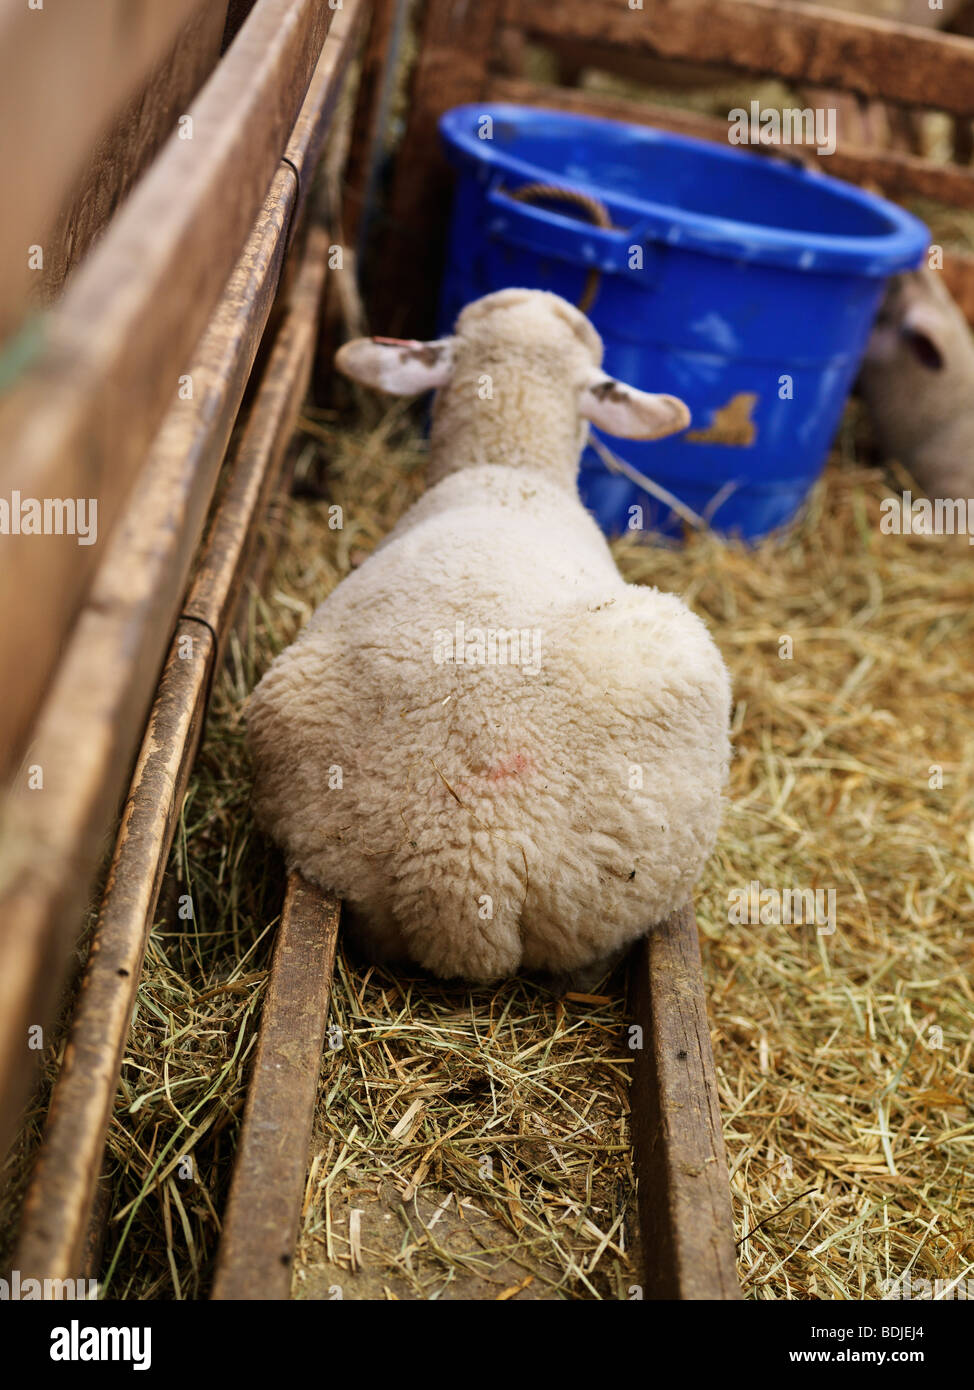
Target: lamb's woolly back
541,809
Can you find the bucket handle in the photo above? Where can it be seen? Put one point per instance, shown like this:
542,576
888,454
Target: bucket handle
601,248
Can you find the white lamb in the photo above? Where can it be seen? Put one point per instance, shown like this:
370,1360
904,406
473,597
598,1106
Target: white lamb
499,754
918,384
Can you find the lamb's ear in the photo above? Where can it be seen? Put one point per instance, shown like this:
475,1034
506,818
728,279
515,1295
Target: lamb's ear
924,330
622,410
401,366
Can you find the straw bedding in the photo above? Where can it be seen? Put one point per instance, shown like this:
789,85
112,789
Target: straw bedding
475,1143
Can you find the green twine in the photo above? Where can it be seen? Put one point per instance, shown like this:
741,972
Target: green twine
18,352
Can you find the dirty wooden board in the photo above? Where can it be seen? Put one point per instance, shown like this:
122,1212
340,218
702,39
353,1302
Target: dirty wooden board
58,1206
261,452
260,1225
65,71
684,1194
134,140
897,175
456,46
89,725
314,120
57,1209
81,420
366,134
803,43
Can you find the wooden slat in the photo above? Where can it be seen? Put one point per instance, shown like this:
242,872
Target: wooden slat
270,426
260,1225
65,70
896,175
59,1201
237,12
684,1197
573,56
456,45
80,423
366,132
129,147
89,725
313,123
799,43
58,1205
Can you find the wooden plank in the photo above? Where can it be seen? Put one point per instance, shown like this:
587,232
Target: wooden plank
129,147
82,419
262,1218
90,723
366,124
683,1192
270,426
314,121
58,1206
237,12
896,175
575,56
456,46
65,70
807,44
89,728
59,1201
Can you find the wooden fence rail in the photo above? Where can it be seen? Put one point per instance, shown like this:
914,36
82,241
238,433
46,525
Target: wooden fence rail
799,43
59,1203
80,423
87,729
65,72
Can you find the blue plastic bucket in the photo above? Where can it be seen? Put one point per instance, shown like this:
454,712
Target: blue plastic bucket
742,284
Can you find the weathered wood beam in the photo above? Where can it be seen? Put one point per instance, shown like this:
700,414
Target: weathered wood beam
798,43
263,1213
681,1165
129,147
366,134
456,47
897,175
90,722
65,71
89,725
315,118
58,1206
81,421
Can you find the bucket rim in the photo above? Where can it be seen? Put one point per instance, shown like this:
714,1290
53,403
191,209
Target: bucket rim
900,248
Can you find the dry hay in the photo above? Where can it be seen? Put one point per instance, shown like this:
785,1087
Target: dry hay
843,1059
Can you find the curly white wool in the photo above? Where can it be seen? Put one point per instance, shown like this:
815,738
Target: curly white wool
497,752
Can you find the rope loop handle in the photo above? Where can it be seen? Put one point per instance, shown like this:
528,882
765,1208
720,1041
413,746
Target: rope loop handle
598,215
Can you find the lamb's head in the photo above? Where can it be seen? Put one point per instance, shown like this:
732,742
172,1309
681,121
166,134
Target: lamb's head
516,383
919,323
